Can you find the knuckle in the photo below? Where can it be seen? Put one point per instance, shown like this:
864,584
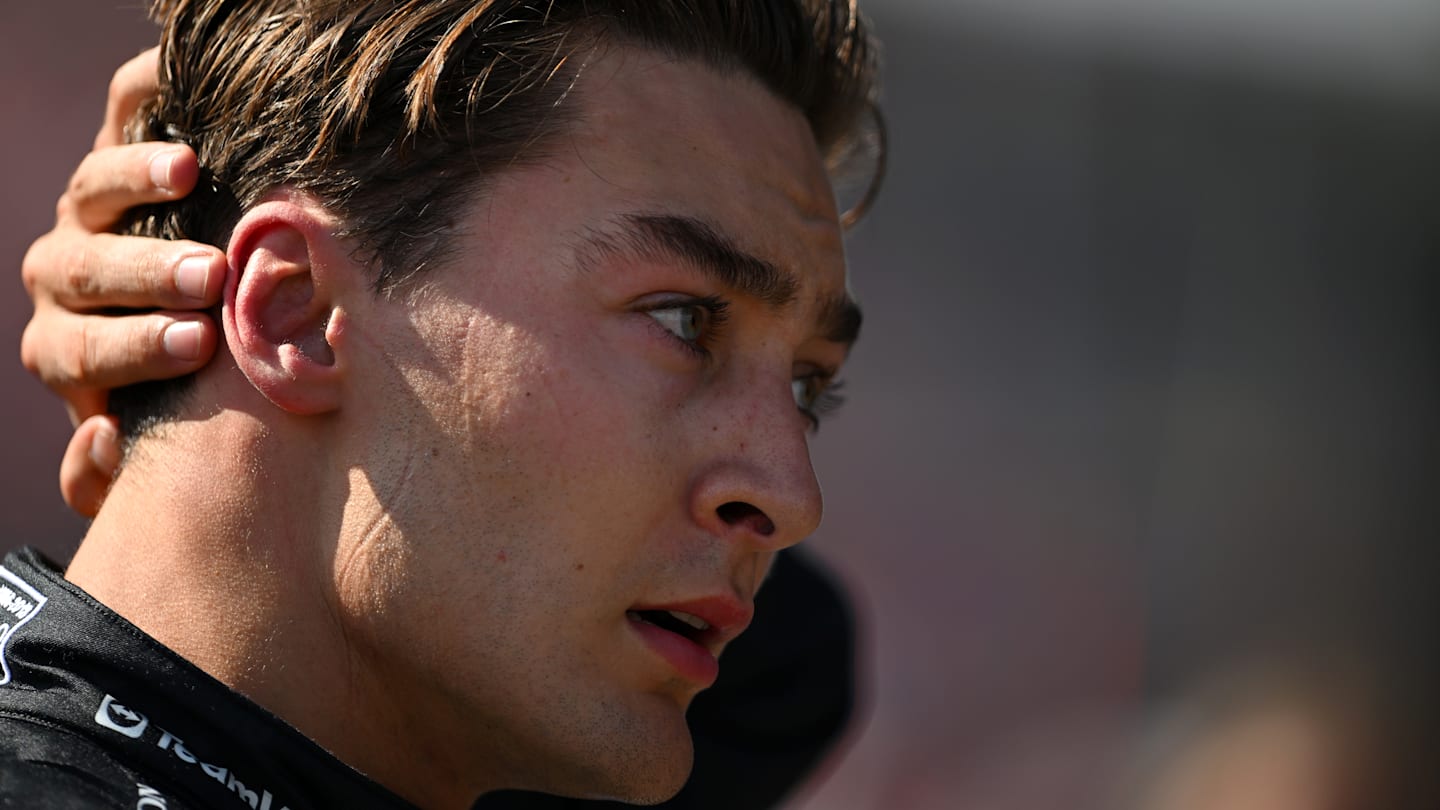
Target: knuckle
120,84
76,357
64,207
29,350
139,342
79,186
32,267
79,273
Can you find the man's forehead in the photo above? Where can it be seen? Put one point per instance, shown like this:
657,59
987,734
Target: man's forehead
683,114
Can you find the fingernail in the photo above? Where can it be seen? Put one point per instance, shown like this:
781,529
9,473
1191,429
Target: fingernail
160,164
191,276
182,340
104,447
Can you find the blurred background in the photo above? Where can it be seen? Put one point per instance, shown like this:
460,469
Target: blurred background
1136,488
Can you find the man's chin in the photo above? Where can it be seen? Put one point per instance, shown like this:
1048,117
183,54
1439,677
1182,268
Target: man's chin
645,774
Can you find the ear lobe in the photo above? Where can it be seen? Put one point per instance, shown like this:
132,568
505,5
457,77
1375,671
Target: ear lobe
280,313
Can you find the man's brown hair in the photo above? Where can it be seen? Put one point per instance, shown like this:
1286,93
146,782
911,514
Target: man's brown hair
393,111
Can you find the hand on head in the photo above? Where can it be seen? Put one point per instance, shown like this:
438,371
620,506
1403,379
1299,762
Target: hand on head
79,271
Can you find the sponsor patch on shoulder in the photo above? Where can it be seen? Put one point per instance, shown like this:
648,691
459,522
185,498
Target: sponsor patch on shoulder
18,604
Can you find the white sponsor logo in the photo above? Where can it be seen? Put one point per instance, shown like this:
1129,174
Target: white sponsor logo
150,798
115,716
18,604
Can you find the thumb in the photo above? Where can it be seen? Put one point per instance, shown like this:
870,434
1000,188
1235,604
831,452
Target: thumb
90,463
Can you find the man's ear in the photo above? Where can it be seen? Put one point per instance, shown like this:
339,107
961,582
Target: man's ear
282,315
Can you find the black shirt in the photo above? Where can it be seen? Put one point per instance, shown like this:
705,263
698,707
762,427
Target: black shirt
94,713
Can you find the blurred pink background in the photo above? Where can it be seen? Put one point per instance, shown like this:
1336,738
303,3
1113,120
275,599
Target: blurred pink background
1148,382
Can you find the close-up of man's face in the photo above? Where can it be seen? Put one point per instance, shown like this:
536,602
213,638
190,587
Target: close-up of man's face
419,404
591,415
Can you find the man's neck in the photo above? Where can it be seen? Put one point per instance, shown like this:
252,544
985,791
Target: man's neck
186,547
224,560
231,559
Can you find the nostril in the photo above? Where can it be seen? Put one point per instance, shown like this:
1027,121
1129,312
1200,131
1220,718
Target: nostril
737,513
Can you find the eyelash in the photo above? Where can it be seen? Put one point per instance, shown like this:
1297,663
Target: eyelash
825,402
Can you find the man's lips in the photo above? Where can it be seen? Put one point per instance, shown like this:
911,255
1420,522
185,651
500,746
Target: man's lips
689,635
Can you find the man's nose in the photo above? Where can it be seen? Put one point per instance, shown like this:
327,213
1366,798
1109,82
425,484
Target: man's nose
757,485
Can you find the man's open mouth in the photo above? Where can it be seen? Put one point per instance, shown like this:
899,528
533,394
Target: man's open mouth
680,623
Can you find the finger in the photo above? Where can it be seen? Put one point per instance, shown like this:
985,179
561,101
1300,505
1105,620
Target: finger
135,81
89,465
112,180
83,271
68,351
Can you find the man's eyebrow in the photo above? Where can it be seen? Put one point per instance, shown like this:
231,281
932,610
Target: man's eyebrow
667,236
664,236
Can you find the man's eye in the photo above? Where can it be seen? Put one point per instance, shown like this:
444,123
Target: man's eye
695,321
685,322
816,396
